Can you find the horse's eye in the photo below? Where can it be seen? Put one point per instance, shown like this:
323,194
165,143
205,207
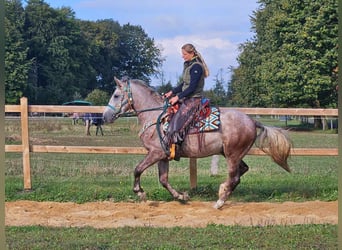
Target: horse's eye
116,96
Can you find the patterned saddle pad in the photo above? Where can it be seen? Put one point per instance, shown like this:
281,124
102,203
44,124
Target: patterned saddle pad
210,121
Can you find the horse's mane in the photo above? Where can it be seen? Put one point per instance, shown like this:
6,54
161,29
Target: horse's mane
154,94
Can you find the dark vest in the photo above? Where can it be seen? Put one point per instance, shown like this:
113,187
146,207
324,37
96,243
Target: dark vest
186,79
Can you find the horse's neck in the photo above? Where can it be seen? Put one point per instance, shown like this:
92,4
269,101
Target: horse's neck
144,103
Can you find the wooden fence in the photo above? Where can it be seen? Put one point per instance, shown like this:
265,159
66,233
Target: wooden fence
24,109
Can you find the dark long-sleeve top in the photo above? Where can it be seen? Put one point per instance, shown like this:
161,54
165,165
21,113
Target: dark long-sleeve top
195,76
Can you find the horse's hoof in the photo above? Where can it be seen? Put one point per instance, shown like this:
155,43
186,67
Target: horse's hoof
184,197
142,196
218,204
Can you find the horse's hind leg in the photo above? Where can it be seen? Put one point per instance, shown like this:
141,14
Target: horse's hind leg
163,168
236,170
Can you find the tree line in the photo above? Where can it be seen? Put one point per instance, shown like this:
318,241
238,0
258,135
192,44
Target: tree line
52,57
292,59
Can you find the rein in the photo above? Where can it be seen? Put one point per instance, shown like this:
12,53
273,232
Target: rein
130,102
136,112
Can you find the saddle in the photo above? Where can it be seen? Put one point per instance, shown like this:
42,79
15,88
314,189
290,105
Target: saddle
208,119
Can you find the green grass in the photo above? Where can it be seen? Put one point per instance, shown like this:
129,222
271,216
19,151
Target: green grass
94,177
86,178
90,177
210,237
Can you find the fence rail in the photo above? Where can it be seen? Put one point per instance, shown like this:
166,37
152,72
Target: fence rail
250,111
25,148
142,150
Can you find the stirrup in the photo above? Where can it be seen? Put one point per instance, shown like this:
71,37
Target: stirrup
172,151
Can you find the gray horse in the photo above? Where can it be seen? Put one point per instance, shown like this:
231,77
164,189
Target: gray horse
237,134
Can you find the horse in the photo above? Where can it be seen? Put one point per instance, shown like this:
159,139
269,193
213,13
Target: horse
234,138
93,119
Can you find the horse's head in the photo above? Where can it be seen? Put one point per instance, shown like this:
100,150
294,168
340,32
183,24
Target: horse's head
120,102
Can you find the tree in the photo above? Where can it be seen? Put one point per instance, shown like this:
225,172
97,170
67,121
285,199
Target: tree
290,61
51,56
103,38
59,53
139,57
307,54
217,95
17,64
244,88
98,97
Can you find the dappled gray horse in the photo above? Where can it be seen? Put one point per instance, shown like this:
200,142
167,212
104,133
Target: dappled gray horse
233,140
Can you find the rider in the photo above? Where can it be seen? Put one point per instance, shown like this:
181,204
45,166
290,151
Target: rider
188,93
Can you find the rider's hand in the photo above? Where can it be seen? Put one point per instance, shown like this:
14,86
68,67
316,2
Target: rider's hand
168,94
174,100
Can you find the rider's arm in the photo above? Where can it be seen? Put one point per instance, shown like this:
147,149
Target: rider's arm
177,89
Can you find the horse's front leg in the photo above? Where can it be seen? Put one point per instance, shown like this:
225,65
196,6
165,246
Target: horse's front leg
163,168
136,186
150,159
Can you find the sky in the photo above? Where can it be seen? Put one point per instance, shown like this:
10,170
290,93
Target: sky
215,27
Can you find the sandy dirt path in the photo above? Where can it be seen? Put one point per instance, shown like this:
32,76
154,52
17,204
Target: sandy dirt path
168,214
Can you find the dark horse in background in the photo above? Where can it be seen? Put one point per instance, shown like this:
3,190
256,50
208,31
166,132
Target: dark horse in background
233,140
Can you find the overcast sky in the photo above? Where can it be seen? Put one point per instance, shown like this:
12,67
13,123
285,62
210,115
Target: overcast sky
215,27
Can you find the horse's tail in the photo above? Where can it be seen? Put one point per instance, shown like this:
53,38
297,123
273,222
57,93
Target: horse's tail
276,143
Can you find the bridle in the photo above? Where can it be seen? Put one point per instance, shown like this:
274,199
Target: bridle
129,100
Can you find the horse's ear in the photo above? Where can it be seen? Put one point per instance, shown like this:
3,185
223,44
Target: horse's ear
118,82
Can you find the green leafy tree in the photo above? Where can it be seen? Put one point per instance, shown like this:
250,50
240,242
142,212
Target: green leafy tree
290,61
305,56
51,56
219,90
217,95
98,97
139,56
103,37
59,54
244,88
17,63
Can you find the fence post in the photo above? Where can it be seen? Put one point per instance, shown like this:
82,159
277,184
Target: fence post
25,143
193,172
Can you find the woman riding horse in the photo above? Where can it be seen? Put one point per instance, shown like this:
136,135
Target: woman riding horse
233,139
189,95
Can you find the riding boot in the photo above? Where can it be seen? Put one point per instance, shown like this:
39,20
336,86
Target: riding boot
177,152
